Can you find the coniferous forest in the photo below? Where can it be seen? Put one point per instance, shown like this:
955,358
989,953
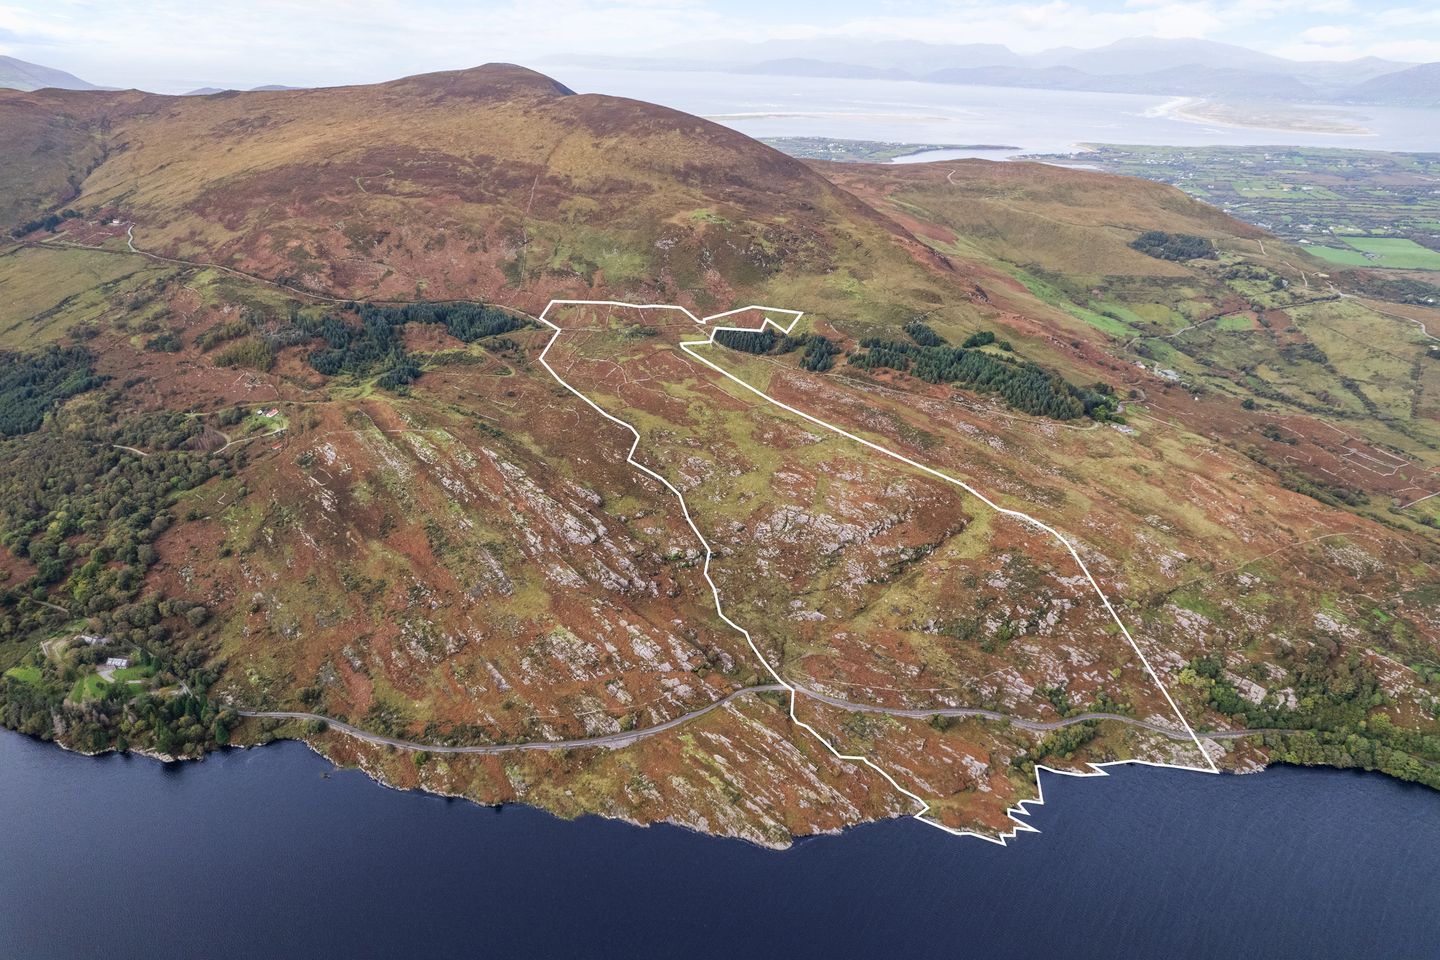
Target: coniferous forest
1025,386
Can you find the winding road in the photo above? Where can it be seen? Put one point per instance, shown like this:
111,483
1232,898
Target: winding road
627,737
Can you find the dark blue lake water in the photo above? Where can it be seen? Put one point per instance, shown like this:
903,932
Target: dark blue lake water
257,854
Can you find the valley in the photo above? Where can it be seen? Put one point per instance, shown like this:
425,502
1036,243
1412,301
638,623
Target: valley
1351,208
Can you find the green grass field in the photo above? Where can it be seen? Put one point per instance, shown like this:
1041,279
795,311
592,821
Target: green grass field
1394,252
89,687
1398,252
1341,255
1110,325
30,675
1276,190
1055,298
133,673
46,291
256,423
1125,314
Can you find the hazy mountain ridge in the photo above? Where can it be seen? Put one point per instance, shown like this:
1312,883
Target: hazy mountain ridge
264,88
22,75
1144,65
1417,85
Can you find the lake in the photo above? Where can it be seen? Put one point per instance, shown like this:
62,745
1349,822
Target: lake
271,853
1036,121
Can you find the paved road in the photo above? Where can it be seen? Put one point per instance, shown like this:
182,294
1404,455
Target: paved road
622,739
628,737
925,713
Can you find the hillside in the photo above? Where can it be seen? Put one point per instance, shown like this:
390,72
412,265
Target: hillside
20,75
290,421
1417,86
468,184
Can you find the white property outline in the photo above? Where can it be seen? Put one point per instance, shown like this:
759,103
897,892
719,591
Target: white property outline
1097,769
687,347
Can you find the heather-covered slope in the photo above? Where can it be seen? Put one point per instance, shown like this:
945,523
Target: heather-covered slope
275,499
470,183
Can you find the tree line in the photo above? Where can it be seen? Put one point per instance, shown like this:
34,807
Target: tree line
32,383
375,344
1025,386
1339,703
464,321
818,352
48,222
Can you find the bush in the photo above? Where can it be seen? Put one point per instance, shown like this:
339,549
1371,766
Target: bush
747,341
1174,246
48,222
922,334
222,333
166,342
819,354
251,353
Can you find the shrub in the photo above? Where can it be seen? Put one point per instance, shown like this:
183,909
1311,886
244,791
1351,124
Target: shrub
1174,246
747,341
922,334
251,353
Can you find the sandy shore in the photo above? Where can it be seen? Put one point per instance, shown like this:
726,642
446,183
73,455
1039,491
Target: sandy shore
1268,116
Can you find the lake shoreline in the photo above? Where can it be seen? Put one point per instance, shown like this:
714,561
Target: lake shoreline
1019,814
272,853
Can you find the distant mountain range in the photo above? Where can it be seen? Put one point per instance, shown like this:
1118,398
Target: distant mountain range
208,91
20,75
1419,85
1149,65
1145,65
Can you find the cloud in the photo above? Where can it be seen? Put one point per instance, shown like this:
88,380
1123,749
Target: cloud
1328,35
173,45
1407,17
1027,26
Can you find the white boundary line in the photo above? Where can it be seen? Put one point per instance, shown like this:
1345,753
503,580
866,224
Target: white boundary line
795,315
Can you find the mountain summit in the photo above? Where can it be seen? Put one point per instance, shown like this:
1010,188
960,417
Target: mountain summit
368,190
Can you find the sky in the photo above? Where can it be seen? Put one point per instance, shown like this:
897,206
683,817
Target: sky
171,46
